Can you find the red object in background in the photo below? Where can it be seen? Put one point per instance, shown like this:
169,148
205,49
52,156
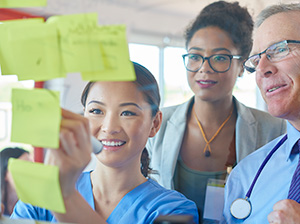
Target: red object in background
38,152
10,14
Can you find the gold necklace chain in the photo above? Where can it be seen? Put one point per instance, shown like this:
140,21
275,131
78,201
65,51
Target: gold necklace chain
207,153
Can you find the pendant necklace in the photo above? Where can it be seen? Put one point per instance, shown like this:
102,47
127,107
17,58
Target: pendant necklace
207,148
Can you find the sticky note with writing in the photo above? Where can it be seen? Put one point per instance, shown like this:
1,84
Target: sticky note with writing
37,184
36,117
30,50
79,48
115,55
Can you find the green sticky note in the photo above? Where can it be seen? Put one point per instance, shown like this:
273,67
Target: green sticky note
37,184
79,46
36,116
30,50
22,3
115,54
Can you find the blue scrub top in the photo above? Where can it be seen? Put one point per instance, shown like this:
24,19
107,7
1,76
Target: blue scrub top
141,205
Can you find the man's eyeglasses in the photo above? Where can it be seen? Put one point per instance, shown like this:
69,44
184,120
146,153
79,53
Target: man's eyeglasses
274,53
218,62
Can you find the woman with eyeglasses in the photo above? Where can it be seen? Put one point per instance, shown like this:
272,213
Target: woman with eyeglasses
202,139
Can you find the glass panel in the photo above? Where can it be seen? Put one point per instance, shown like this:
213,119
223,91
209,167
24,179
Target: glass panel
146,55
245,90
176,88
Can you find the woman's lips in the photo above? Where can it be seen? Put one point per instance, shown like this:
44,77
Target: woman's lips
112,145
206,83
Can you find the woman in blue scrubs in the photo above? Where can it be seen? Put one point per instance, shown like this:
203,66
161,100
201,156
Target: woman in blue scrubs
122,116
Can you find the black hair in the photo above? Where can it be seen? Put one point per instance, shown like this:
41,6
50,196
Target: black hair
5,155
147,84
229,17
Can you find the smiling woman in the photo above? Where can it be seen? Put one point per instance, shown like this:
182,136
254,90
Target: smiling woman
122,115
214,131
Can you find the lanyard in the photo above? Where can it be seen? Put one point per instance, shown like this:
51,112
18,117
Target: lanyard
241,207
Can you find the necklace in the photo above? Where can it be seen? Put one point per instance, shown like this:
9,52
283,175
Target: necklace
206,152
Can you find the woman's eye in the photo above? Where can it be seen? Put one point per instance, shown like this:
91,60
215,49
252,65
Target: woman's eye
220,58
194,57
95,111
128,113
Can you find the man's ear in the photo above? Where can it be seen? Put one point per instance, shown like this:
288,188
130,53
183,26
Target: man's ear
156,123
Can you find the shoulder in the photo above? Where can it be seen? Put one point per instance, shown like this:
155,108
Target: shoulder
178,110
254,160
169,201
251,115
27,211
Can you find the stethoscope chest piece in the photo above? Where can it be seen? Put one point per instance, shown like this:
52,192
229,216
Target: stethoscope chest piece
240,208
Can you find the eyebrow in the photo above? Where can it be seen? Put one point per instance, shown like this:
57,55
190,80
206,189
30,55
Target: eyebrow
214,50
130,104
96,101
272,43
122,104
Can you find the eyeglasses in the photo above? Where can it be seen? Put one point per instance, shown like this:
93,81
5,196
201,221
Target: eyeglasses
218,62
274,53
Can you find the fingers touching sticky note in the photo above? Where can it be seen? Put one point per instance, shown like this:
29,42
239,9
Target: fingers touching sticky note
36,117
37,184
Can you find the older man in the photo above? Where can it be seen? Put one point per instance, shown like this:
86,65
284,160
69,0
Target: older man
265,186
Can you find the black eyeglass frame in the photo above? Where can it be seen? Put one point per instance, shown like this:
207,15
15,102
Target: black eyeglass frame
251,70
208,59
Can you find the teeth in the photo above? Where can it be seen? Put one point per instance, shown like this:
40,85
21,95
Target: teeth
206,82
273,89
108,143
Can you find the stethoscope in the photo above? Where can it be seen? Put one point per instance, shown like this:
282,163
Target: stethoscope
241,207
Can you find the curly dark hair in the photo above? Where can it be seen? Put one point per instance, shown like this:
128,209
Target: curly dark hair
230,17
147,84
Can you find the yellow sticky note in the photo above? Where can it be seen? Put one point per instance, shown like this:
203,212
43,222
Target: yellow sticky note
36,117
115,54
79,48
30,50
37,184
22,3
25,21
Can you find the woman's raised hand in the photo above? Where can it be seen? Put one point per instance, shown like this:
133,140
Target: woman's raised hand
74,151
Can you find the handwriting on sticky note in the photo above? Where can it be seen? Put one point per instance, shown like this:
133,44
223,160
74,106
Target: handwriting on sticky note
40,39
115,55
80,52
36,117
37,184
65,44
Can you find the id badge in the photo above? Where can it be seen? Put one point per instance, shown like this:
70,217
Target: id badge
214,199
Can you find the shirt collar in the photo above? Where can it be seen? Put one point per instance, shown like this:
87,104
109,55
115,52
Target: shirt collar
293,137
